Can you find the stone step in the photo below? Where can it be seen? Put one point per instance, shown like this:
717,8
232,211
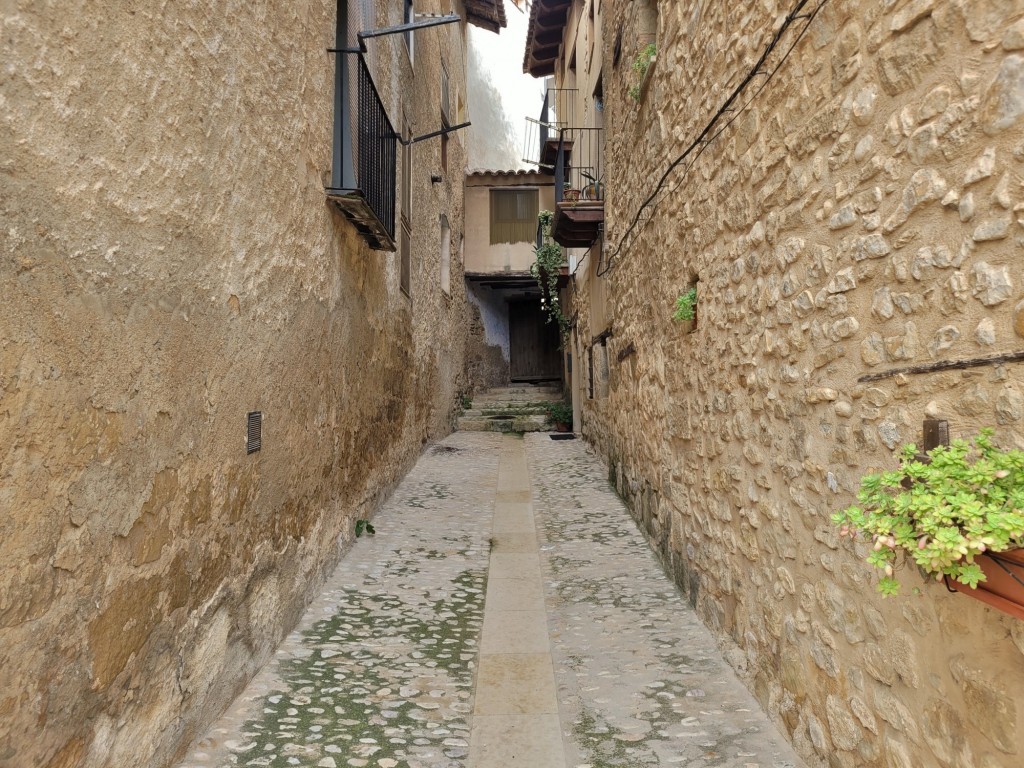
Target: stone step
510,410
533,423
516,388
526,397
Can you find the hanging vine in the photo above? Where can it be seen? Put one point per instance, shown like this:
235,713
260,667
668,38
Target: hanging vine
545,269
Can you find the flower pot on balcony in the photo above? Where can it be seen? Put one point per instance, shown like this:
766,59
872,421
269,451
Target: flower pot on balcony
594,191
1003,588
571,195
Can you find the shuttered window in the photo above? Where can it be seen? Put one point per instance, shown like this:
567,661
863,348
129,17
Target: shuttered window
513,215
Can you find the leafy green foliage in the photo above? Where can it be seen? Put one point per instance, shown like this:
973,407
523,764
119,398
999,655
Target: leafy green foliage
364,525
545,269
641,64
467,402
686,305
968,500
559,411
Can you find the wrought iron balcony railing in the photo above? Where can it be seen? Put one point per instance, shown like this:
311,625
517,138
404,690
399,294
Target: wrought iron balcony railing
577,164
365,154
557,113
579,187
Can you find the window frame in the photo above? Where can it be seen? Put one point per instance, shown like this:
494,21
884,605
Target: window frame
446,256
408,17
529,222
405,218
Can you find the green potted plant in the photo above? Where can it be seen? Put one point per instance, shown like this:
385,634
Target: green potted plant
559,414
957,513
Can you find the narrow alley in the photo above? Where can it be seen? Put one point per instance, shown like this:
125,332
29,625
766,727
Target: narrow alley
506,612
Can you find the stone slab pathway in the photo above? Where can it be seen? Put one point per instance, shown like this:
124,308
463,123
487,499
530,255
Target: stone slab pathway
583,656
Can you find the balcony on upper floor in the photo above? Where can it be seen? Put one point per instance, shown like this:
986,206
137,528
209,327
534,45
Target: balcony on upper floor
542,135
579,187
573,156
364,184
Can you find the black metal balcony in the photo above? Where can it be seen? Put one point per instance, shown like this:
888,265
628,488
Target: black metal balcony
365,149
579,187
557,113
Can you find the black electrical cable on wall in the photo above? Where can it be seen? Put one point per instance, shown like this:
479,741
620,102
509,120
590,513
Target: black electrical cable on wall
709,132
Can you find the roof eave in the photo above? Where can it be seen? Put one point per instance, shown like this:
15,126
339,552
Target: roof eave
545,17
487,14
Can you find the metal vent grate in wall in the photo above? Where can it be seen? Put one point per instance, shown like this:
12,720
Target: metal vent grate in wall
254,432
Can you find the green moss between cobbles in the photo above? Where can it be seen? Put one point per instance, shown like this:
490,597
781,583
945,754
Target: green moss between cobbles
604,746
331,697
425,496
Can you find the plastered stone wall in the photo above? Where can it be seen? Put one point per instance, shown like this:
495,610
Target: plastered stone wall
862,214
168,262
487,346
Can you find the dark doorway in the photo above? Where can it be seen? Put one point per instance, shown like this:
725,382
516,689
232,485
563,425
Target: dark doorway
533,343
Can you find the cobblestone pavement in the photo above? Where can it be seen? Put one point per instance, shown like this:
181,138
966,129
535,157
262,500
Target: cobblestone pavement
380,671
640,679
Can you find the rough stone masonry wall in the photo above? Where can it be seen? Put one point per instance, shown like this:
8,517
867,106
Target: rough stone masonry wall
168,262
862,214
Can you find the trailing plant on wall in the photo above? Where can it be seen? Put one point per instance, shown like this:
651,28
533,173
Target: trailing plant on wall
686,305
641,64
545,269
968,500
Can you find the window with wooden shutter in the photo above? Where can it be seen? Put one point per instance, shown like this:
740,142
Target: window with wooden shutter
514,215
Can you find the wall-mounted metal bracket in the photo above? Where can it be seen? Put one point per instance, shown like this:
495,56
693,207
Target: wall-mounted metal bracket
399,29
442,132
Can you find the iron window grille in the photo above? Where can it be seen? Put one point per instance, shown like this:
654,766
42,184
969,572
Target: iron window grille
365,160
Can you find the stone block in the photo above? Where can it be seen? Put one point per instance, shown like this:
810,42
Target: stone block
1009,405
985,333
904,60
992,229
943,339
1013,37
990,708
844,730
983,167
842,281
873,246
925,186
1004,98
991,283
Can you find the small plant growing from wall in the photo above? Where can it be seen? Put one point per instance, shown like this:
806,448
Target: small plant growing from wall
364,526
686,306
545,269
967,501
641,65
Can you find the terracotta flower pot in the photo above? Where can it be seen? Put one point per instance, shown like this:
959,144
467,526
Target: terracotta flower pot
1003,588
561,426
571,195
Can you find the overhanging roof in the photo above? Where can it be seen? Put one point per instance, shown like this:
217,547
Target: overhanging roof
488,14
544,36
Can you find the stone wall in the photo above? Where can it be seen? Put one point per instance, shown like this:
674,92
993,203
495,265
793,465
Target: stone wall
169,262
487,344
861,214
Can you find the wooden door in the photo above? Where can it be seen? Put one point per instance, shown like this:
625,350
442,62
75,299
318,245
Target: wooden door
533,343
